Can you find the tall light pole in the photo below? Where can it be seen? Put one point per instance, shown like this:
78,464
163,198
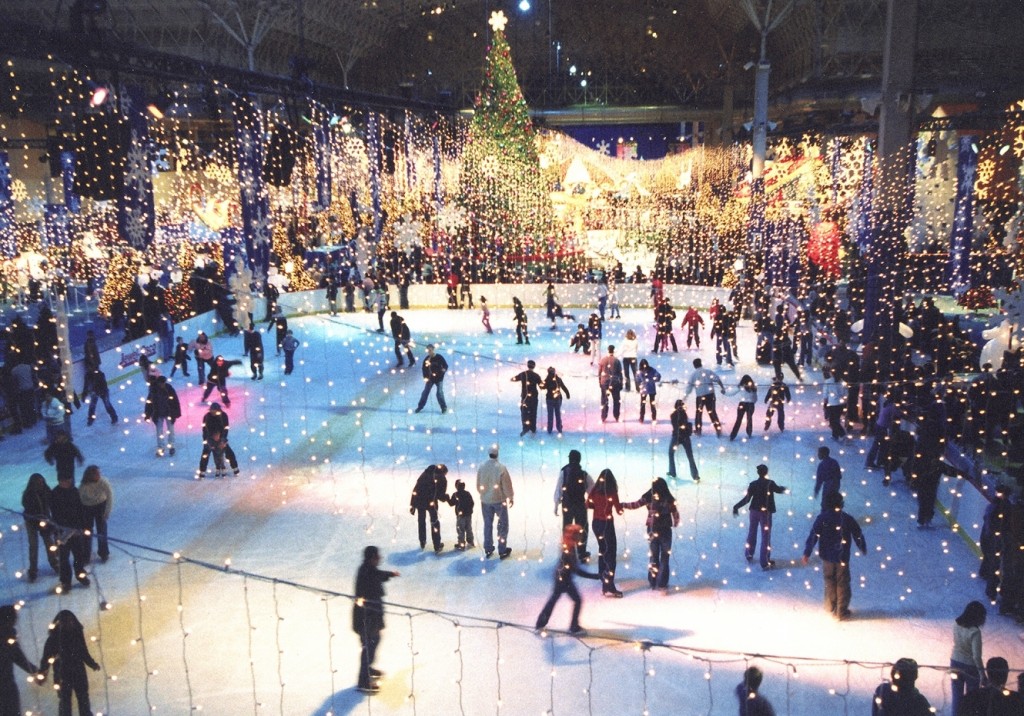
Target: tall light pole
765,23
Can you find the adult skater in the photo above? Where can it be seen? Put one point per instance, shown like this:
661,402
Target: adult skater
522,322
434,367
431,488
835,402
554,390
761,496
828,476
400,334
381,299
216,425
782,354
662,517
693,322
682,429
703,381
494,485
163,409
722,328
252,346
217,378
834,531
529,397
752,703
776,397
289,345
899,696
97,501
965,663
181,357
64,454
202,349
628,350
664,315
35,501
595,332
647,384
368,616
96,389
485,315
571,490
69,517
567,567
11,655
604,501
280,324
745,408
609,377
66,650
601,293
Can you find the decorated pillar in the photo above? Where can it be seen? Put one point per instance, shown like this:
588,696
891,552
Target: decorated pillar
8,244
254,201
136,213
963,217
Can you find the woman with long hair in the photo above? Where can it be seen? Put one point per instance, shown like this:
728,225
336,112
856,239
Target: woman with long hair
35,501
66,651
748,399
604,501
662,516
966,664
11,655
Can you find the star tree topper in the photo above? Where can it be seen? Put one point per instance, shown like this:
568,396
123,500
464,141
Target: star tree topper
498,21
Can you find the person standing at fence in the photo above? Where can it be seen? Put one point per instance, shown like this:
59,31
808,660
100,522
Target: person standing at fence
66,650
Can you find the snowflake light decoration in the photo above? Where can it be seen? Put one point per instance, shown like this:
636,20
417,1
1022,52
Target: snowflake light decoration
407,234
604,147
451,218
498,21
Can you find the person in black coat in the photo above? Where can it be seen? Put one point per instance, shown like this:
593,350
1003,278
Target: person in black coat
431,488
834,531
11,655
368,615
96,389
899,697
215,423
400,332
64,454
67,652
776,398
682,429
181,357
522,322
555,389
529,398
35,501
761,496
280,324
217,378
252,345
571,490
163,409
434,367
568,566
70,519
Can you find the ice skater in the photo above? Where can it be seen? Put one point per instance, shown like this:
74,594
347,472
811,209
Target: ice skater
431,488
703,381
567,567
529,398
217,378
761,496
368,616
434,367
776,397
662,517
463,503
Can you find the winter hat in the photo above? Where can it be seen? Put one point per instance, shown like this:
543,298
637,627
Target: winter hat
762,469
460,485
214,406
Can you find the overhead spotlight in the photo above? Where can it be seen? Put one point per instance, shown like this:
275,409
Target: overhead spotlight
524,5
748,65
157,108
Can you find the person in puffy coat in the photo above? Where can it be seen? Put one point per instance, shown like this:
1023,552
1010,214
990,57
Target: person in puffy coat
431,488
163,408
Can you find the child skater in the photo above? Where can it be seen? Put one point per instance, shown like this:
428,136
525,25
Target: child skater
485,312
568,566
181,357
462,501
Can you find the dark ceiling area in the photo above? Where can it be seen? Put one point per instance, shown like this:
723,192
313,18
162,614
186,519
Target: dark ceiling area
614,53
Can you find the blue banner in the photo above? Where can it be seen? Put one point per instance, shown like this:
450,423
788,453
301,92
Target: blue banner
963,218
256,232
67,175
8,244
373,152
322,155
136,213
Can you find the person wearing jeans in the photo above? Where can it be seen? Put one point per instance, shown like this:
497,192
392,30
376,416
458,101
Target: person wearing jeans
761,496
494,485
97,500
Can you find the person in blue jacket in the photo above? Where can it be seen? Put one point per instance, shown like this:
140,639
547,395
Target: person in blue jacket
647,380
833,531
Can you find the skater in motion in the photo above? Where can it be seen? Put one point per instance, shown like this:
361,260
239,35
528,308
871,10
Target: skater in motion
776,397
703,381
434,367
568,566
662,517
522,322
400,333
215,439
11,655
761,496
67,652
217,378
682,429
368,616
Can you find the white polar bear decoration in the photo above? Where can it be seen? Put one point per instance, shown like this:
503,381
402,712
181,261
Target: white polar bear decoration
1011,328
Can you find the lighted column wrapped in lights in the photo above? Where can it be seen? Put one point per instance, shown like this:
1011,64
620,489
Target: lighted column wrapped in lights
8,244
963,217
136,217
255,204
322,154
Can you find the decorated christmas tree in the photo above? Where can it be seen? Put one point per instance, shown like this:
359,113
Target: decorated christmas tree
502,183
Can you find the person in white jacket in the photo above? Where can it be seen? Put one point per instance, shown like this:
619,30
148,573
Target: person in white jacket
494,485
703,381
835,401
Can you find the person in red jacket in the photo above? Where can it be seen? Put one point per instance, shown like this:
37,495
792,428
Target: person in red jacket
604,501
693,322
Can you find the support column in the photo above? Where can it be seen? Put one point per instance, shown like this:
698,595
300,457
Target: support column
893,183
